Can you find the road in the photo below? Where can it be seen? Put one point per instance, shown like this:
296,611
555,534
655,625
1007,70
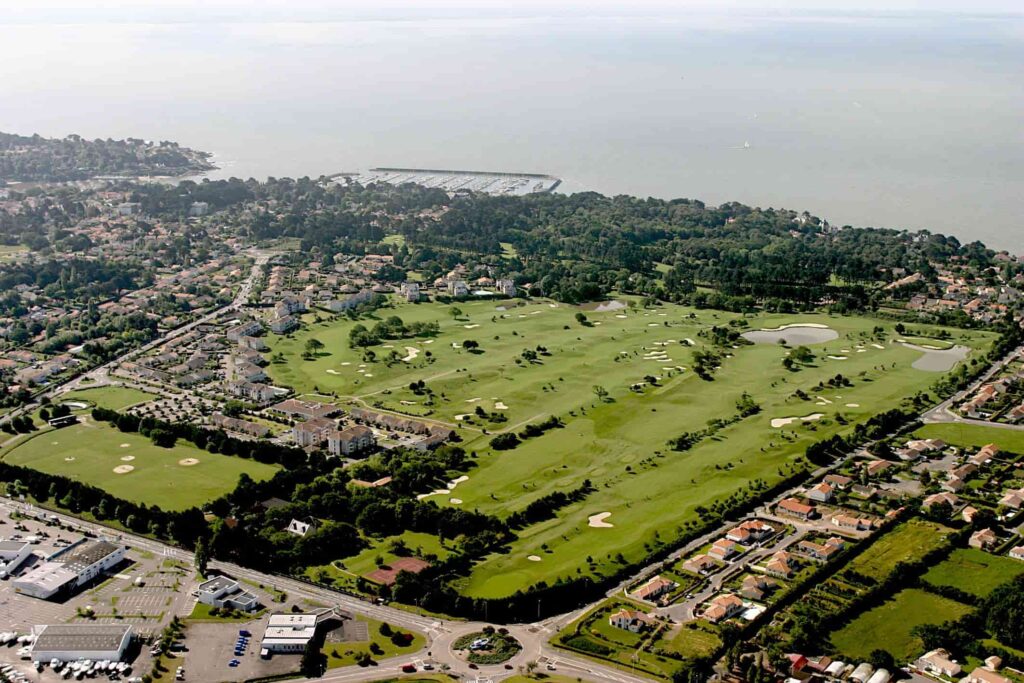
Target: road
943,413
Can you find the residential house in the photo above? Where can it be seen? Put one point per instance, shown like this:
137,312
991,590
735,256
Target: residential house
700,564
1013,499
1017,553
820,493
950,499
723,607
780,565
506,287
723,549
653,588
838,481
821,551
411,291
457,288
938,662
630,620
985,455
852,522
983,539
750,531
250,391
794,508
756,587
301,527
876,467
984,675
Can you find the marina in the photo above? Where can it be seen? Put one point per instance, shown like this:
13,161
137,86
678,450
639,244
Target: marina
487,182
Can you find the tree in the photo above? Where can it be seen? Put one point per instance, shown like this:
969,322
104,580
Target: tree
1004,613
580,318
455,312
600,392
471,345
312,661
313,346
202,556
882,659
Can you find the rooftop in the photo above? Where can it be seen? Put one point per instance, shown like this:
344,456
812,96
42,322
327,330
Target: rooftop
81,637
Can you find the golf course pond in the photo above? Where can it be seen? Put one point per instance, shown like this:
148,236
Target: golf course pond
793,335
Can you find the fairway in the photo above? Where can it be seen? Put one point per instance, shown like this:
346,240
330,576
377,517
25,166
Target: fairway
974,571
973,436
90,452
619,442
114,398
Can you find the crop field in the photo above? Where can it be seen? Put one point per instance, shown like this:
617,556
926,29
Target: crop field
619,440
129,466
888,626
974,571
111,397
906,543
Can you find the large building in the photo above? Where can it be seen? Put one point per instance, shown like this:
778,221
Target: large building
70,570
289,633
351,440
226,593
72,642
12,555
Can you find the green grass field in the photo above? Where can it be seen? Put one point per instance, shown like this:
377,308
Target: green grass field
111,397
969,435
887,627
366,561
345,653
907,542
619,444
974,571
89,452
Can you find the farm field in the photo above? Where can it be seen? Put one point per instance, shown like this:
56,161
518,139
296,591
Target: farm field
619,442
90,452
111,397
888,626
969,435
906,543
974,571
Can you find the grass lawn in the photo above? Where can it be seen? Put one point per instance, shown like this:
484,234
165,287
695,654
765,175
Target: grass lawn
906,542
974,571
89,452
619,444
698,641
201,612
344,654
418,543
888,626
968,435
114,398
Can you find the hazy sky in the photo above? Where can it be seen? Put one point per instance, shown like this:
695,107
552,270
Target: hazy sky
185,10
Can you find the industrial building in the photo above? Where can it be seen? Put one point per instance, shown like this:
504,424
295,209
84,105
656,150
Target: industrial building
226,593
12,555
72,642
65,572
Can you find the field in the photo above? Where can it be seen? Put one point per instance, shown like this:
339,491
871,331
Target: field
345,653
908,542
90,452
888,626
969,435
974,571
366,561
111,397
619,442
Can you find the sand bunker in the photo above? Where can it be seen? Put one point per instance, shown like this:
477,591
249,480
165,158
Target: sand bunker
533,558
188,462
473,400
331,371
127,458
443,492
463,416
597,521
853,405
500,406
653,324
369,374
879,346
75,405
123,469
455,501
70,458
796,334
621,315
346,363
126,445
836,357
471,327
783,421
410,353
606,306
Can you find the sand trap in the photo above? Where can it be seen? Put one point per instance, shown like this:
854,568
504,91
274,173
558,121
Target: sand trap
188,462
443,492
500,406
605,306
75,405
346,363
597,323
879,346
455,501
428,341
455,482
783,421
597,521
362,365
620,315
408,403
124,445
862,350
70,458
653,324
552,305
456,345
410,353
463,416
471,327
387,346
822,398
690,342
535,312
331,371
127,458
123,469
473,400
853,405
836,357
533,558
369,374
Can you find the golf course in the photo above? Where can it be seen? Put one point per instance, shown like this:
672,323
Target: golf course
623,382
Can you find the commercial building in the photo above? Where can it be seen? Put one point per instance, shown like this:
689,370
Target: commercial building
71,642
69,571
289,633
12,555
225,593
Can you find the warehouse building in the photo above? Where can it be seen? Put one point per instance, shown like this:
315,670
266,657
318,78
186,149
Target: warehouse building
72,642
66,572
12,555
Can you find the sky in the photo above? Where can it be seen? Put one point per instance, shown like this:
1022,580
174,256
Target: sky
74,11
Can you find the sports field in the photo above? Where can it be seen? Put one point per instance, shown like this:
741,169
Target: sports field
619,443
974,571
91,453
887,627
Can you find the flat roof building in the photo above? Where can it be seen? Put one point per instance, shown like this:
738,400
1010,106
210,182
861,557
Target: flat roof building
288,633
225,592
70,642
71,570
